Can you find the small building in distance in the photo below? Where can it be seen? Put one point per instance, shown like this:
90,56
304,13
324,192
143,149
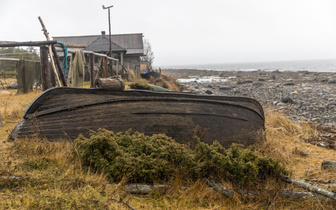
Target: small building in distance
128,48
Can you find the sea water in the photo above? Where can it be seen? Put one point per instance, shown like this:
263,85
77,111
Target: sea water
307,65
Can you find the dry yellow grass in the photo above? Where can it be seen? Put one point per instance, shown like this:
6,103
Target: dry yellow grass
286,141
50,176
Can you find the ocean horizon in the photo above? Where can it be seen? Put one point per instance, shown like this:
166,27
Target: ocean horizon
326,65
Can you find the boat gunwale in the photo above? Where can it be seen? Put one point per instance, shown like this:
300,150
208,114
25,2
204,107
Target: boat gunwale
44,96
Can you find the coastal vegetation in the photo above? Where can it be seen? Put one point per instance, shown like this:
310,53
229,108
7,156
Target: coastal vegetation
36,173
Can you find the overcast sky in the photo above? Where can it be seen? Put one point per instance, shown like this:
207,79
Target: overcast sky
188,31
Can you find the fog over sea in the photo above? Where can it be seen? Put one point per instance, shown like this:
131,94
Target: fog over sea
303,65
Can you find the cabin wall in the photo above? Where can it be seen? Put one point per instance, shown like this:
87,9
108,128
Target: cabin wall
132,62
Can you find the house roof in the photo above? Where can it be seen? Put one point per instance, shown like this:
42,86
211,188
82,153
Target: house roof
133,43
102,44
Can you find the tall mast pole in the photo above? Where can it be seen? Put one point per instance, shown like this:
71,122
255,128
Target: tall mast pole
109,21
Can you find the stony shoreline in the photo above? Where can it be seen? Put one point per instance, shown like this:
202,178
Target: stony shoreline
303,96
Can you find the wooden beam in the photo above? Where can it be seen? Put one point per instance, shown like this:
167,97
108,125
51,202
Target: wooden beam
90,52
28,44
46,84
9,59
72,45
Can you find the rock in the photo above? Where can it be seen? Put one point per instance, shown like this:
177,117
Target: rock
289,84
13,85
304,72
210,86
261,80
258,84
244,82
312,79
332,81
287,100
328,165
209,92
273,77
225,88
324,80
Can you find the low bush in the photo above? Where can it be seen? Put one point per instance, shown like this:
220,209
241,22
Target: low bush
157,158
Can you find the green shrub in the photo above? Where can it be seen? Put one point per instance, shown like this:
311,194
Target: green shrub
157,158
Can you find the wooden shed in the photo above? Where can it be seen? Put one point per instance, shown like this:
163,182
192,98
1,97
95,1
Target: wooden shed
128,48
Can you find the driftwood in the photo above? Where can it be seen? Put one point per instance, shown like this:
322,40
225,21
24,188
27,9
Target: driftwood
144,189
110,83
1,125
148,188
290,194
220,188
310,188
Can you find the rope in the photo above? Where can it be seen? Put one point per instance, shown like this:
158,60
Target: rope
65,59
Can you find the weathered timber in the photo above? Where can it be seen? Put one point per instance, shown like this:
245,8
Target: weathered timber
105,67
67,112
310,188
89,53
59,67
28,44
72,45
110,83
91,66
289,194
9,59
45,71
220,188
144,189
46,34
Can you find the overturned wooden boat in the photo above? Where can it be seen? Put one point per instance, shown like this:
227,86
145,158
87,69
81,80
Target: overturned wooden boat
67,112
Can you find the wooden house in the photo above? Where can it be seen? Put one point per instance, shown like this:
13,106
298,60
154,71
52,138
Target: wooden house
128,48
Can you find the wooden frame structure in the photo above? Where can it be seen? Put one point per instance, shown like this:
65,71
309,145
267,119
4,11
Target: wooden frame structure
45,71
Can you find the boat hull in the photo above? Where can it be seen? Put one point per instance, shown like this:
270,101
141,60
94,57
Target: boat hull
67,112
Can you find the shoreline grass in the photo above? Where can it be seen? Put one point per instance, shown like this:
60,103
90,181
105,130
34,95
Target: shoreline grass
47,175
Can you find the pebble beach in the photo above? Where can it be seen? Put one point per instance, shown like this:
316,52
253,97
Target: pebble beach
303,96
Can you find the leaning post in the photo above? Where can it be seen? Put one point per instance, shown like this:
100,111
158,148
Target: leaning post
45,71
91,61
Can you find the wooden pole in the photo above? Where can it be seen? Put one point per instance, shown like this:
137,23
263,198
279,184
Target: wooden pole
110,35
59,66
28,44
91,61
46,34
45,71
105,67
310,188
